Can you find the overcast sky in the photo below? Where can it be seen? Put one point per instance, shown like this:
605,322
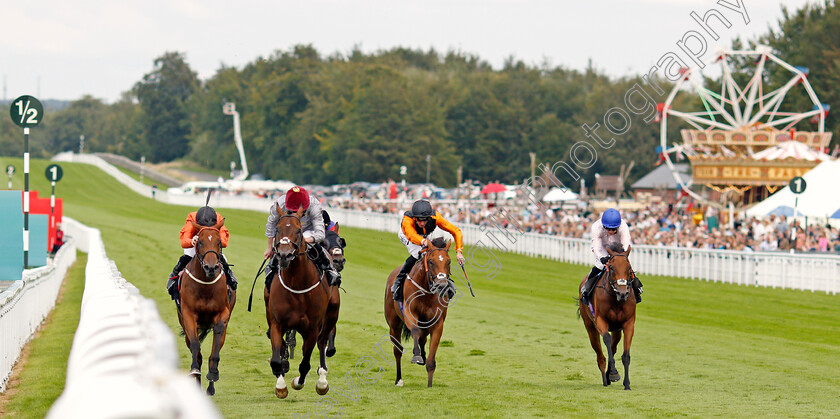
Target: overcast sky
58,49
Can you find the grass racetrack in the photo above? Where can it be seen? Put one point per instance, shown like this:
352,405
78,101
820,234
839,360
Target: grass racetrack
700,349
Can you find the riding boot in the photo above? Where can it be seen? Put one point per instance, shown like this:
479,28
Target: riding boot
270,269
397,288
326,265
231,278
637,288
586,290
171,286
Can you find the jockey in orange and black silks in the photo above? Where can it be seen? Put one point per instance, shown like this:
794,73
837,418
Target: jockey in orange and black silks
205,217
416,226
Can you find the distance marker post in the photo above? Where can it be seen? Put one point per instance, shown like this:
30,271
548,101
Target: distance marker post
26,112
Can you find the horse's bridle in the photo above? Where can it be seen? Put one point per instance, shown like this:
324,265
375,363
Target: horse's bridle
201,256
620,282
431,282
286,240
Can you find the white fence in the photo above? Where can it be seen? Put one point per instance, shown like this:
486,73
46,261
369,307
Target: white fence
813,272
25,305
123,360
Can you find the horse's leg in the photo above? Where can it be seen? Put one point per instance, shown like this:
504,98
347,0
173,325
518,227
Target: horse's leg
309,338
398,350
416,335
423,349
219,333
616,337
193,344
629,327
436,332
595,341
322,386
291,342
603,330
331,343
279,363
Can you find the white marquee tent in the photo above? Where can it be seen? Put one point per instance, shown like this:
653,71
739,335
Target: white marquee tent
820,198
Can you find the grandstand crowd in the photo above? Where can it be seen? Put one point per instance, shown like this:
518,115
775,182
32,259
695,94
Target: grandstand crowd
657,224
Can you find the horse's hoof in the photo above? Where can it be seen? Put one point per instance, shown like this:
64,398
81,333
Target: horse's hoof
322,391
322,387
213,376
399,383
417,359
280,389
330,352
627,387
195,372
615,377
295,384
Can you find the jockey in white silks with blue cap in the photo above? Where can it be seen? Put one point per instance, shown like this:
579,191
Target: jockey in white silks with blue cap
610,229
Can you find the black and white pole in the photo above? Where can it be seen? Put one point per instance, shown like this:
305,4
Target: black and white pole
26,112
53,174
797,185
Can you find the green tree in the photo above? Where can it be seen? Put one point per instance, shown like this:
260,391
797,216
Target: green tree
163,96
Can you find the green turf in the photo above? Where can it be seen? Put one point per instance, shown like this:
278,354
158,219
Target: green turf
146,180
518,349
42,379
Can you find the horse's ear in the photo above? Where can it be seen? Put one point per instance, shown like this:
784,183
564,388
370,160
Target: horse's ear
277,208
300,212
219,224
448,244
610,252
628,250
342,242
196,226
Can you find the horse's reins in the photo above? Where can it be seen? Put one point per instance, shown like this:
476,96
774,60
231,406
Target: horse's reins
297,244
429,276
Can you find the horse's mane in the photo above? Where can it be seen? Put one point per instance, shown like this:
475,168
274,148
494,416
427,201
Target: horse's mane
616,247
439,242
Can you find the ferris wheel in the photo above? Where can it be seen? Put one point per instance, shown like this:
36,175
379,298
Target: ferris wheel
738,120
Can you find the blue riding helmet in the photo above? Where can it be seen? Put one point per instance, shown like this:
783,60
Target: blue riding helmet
611,218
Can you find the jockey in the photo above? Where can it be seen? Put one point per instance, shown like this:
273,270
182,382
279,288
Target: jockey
417,225
207,217
312,223
606,231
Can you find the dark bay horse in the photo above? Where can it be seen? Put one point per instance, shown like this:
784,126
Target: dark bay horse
428,291
298,300
334,245
206,303
613,311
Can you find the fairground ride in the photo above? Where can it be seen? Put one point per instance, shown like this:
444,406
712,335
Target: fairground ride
738,122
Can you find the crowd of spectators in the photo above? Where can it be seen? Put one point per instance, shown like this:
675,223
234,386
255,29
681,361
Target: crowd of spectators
658,224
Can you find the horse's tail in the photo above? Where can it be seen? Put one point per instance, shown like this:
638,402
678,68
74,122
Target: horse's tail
577,303
406,334
203,334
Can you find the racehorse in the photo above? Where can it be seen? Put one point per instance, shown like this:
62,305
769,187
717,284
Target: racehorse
206,302
613,310
298,300
428,292
334,245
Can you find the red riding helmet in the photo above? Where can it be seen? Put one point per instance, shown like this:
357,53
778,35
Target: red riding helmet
297,198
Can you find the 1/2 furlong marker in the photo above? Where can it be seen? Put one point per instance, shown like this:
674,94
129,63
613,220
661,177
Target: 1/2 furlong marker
26,112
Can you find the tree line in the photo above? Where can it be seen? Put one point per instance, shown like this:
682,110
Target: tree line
314,118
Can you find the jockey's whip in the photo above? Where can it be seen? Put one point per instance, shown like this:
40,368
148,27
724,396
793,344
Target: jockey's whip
259,271
465,277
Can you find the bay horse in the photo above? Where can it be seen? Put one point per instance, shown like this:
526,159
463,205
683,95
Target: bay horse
334,245
298,300
428,291
206,303
613,311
